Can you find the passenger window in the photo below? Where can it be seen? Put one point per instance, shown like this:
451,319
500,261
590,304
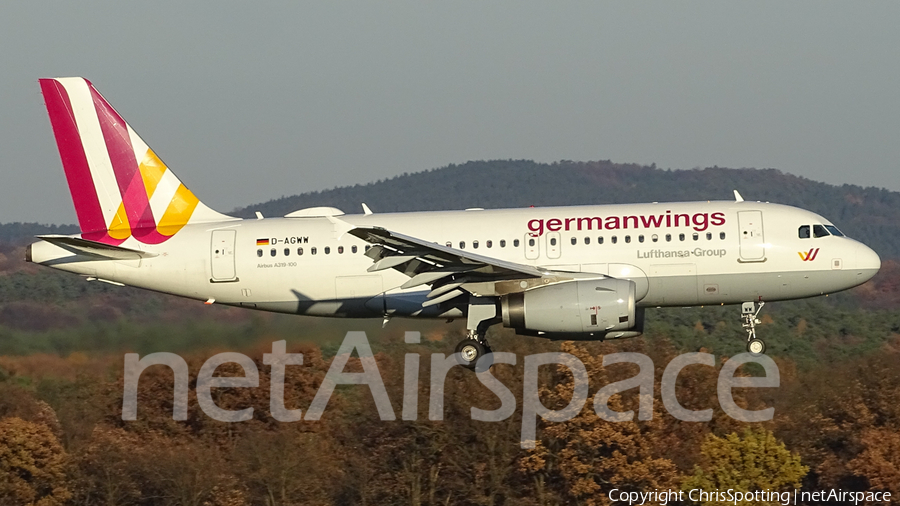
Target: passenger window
488,243
654,237
272,252
353,249
340,249
531,242
474,244
502,243
696,236
640,238
553,241
614,239
516,243
803,232
587,240
668,237
600,240
287,252
299,251
680,237
819,231
574,241
722,235
627,238
709,236
449,244
327,250
259,252
462,244
312,251
368,246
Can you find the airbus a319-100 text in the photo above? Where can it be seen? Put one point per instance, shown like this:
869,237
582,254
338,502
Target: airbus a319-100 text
580,272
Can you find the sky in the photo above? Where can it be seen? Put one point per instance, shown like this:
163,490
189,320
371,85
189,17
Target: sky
249,101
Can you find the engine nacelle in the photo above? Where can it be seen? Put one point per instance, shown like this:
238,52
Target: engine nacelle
580,309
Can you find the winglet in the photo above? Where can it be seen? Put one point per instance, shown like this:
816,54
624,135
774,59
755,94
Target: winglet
366,209
737,196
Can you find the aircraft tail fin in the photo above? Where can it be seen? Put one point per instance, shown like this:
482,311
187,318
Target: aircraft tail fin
119,186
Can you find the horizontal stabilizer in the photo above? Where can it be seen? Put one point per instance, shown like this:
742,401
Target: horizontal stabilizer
93,248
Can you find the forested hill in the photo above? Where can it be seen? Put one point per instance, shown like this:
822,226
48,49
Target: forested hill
869,214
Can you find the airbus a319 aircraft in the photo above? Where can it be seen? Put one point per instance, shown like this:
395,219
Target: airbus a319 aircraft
578,273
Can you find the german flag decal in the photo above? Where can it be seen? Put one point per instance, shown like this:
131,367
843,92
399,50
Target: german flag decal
262,242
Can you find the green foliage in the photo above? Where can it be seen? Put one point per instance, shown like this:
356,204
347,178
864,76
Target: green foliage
809,331
753,461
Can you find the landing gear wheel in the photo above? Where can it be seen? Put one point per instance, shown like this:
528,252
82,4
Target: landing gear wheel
756,346
469,351
749,320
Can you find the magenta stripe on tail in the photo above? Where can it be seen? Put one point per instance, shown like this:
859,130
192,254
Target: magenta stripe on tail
75,164
125,166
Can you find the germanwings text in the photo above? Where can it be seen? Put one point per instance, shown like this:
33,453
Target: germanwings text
697,221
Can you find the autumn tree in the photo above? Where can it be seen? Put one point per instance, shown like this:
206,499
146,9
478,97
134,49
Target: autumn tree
879,462
752,461
289,466
580,459
32,464
846,431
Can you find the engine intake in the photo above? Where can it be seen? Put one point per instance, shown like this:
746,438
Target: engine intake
592,308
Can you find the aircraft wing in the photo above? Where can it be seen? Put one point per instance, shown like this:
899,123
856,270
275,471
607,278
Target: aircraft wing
443,267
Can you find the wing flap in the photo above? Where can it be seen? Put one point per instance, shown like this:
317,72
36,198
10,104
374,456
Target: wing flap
443,298
442,256
447,270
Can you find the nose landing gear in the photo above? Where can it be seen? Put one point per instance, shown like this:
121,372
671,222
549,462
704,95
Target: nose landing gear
749,313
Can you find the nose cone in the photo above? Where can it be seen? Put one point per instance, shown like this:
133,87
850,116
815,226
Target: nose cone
867,263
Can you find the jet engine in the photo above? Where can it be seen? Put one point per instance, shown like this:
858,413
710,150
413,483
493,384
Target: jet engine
573,310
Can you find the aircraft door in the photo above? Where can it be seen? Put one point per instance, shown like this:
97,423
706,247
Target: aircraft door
222,256
753,247
532,247
553,245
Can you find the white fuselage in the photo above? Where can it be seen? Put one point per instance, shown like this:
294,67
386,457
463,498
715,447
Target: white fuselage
678,254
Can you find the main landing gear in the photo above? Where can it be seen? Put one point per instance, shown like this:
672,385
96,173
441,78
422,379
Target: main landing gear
469,352
749,313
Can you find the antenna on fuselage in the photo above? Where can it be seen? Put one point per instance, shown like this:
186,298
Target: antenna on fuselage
737,196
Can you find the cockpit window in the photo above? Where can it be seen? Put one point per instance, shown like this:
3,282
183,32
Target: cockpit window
819,231
834,230
803,232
